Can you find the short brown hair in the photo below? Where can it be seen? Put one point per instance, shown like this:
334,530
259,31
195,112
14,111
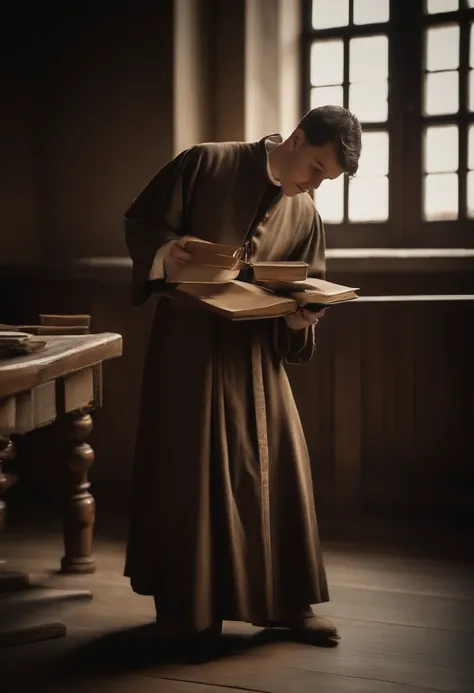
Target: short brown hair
339,126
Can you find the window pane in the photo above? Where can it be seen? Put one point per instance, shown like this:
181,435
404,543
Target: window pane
470,194
470,156
329,13
441,93
374,157
471,57
441,149
368,59
322,96
369,101
441,196
371,11
329,199
442,48
327,63
368,199
435,6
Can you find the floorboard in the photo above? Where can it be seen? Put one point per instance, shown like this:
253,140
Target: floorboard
405,620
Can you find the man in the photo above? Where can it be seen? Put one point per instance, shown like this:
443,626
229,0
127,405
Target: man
223,521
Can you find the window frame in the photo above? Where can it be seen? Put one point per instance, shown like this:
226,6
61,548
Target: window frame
405,227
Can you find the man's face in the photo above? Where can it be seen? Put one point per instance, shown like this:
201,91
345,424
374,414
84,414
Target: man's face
305,167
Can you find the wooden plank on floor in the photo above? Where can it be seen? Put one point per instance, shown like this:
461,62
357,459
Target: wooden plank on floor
406,656
401,608
142,684
350,565
290,681
404,621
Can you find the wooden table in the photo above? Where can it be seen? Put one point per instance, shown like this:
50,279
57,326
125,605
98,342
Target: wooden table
63,380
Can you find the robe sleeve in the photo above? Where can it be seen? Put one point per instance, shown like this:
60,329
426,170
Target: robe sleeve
156,217
157,270
297,346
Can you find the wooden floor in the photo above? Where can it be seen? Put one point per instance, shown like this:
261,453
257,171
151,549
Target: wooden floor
405,617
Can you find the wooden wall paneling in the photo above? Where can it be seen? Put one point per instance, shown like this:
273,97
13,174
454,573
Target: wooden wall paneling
404,368
347,409
386,405
423,476
451,412
373,452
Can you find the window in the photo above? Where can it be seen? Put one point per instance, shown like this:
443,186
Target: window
406,69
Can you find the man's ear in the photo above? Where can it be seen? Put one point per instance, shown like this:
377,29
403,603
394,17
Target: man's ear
298,138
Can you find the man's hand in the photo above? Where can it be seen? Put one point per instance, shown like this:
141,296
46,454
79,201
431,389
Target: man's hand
177,256
303,318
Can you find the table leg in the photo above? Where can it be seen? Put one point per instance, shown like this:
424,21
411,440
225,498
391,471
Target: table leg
7,453
79,512
9,579
17,595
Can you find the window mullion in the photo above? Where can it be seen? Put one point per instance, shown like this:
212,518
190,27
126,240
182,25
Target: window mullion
395,124
463,113
305,57
408,39
346,105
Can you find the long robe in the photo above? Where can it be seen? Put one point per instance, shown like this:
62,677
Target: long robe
223,523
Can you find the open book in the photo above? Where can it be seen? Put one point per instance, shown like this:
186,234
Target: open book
235,300
314,293
238,300
278,288
216,262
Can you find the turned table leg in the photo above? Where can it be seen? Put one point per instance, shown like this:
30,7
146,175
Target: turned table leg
79,512
9,579
4,454
22,603
7,452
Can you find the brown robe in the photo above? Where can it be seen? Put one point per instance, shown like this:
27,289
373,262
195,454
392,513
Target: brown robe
223,522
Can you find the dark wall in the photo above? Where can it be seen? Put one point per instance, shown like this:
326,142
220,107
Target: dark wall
86,122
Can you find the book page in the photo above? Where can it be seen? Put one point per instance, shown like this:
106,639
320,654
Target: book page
239,298
201,247
321,287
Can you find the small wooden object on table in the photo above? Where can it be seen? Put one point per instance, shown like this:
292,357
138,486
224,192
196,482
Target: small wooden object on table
59,378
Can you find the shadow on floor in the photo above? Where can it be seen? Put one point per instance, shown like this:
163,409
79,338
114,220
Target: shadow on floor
126,651
139,647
